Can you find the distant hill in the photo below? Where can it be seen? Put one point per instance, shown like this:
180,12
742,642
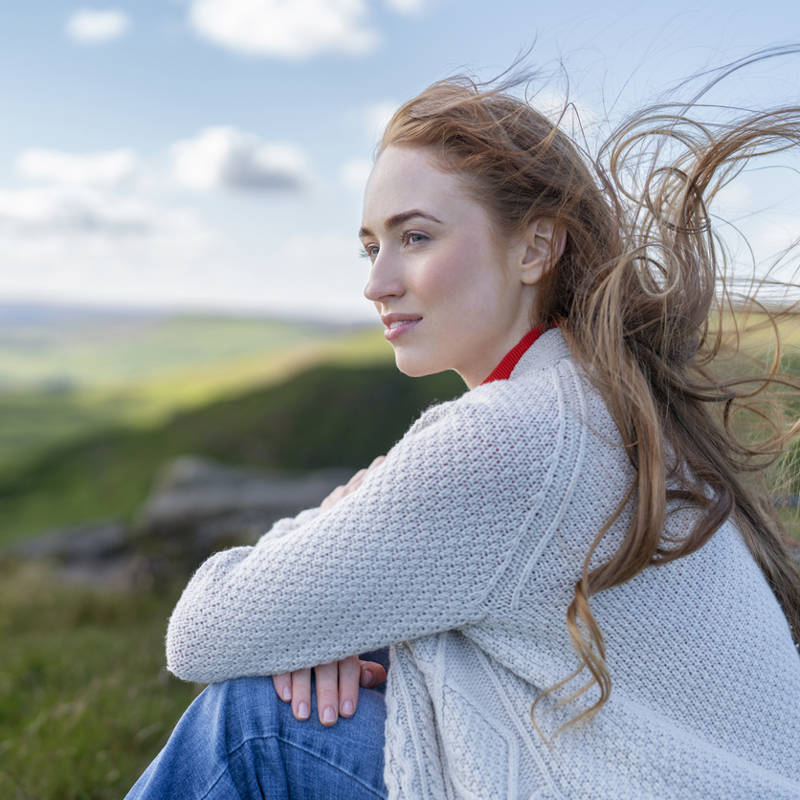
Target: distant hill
66,372
58,347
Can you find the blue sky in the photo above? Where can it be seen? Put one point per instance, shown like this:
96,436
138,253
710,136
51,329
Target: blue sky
212,153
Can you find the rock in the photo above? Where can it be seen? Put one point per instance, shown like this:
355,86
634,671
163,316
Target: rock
84,544
196,508
191,490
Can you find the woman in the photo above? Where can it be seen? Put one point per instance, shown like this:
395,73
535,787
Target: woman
577,520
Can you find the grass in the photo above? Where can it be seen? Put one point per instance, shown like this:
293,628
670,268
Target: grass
110,351
37,417
86,699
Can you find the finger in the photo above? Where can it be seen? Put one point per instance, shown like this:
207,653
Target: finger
327,677
283,685
377,460
372,673
349,678
357,478
333,497
301,693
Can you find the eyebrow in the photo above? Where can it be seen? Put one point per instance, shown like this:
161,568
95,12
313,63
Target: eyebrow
399,219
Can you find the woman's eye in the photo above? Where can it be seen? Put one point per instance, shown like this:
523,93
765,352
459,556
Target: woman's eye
369,250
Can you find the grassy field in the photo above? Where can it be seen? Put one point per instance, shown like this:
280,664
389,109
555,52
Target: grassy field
65,384
86,700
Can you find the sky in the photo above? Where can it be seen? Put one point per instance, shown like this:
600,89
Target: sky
212,154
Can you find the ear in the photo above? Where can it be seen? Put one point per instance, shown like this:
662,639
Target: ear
544,243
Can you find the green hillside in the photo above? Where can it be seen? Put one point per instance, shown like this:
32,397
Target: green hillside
333,414
62,383
63,350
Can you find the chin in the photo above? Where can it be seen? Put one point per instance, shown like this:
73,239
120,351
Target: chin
415,368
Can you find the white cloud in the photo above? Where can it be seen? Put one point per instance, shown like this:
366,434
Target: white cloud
406,6
734,199
293,30
573,116
90,26
110,168
320,273
69,209
776,236
225,156
178,261
67,244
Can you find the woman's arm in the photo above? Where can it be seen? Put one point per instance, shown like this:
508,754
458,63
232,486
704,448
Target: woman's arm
337,683
414,550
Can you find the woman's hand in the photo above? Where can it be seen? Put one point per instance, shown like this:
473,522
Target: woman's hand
337,682
340,491
337,687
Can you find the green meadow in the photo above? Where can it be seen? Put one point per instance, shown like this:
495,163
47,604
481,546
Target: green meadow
61,382
89,412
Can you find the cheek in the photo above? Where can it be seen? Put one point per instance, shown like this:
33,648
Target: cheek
458,277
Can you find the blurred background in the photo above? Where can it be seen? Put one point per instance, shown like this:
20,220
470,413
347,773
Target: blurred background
185,352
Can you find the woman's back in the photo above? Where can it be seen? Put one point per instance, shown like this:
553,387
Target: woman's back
706,697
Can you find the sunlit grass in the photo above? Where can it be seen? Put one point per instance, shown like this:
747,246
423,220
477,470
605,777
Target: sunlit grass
33,420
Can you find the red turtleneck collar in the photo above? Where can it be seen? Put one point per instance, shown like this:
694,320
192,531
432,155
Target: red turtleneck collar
503,370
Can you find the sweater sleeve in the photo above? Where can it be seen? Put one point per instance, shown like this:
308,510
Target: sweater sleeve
413,551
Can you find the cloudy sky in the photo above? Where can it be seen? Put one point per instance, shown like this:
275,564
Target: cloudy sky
213,153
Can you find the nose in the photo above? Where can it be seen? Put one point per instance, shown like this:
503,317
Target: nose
384,280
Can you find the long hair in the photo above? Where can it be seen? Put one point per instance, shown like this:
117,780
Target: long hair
644,298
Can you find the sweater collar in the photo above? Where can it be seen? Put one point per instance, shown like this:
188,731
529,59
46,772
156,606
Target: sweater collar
506,366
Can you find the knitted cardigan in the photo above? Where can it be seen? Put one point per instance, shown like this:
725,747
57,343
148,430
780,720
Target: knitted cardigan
461,551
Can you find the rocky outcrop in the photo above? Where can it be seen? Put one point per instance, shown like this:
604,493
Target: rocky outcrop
196,507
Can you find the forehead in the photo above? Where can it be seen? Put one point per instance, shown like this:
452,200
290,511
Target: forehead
409,177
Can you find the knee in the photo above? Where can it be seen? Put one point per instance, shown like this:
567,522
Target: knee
241,708
238,693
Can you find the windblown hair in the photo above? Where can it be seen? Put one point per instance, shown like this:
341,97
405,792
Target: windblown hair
643,296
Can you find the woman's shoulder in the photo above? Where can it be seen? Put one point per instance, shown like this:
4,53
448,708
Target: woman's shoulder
539,393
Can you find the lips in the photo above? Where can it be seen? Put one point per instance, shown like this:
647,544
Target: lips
402,323
388,319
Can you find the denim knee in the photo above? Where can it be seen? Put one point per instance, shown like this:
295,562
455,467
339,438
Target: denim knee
241,709
239,739
260,729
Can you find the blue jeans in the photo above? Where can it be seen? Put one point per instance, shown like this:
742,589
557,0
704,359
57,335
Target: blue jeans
238,740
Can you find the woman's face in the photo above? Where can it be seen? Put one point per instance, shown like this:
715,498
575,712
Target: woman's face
440,267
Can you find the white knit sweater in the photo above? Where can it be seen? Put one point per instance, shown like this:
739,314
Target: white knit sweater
461,550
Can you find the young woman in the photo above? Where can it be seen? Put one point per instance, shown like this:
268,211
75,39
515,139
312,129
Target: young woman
584,591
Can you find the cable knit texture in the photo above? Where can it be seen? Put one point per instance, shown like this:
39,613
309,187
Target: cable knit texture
461,550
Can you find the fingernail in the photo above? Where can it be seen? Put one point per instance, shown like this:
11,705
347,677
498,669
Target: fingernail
368,675
347,707
287,693
302,709
328,715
